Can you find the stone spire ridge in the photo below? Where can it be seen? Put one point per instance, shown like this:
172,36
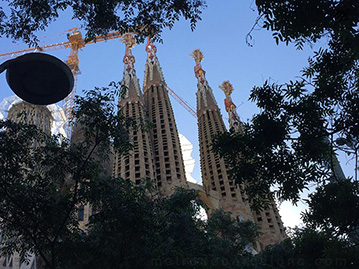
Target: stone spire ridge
153,70
233,118
205,98
130,80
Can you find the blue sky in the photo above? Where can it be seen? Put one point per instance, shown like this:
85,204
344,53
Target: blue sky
221,37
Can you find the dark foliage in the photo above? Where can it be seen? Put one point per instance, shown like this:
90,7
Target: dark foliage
44,179
334,208
291,143
308,248
20,20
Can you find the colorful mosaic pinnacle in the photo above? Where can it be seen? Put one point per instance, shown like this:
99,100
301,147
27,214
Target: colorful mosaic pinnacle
197,55
227,88
129,40
234,121
151,49
129,61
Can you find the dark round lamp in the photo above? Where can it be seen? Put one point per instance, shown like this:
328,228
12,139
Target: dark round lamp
39,78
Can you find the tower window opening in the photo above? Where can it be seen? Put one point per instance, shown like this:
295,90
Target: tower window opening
81,213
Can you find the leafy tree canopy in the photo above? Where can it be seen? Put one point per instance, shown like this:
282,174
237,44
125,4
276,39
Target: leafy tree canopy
289,138
44,180
308,248
22,19
290,145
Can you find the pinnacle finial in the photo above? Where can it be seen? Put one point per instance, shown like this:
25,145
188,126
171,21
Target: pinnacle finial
129,73
129,40
197,55
227,88
234,121
150,48
129,61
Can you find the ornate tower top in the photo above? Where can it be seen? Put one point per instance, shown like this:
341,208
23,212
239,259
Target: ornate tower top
197,55
150,49
234,121
130,80
205,98
128,59
153,71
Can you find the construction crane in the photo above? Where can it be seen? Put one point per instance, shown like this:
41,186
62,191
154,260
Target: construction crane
75,43
182,102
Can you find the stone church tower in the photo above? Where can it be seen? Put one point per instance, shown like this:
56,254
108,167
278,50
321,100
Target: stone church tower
138,164
167,151
39,115
215,170
157,153
269,220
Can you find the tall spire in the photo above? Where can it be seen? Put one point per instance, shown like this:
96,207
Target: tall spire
233,118
130,80
153,70
214,170
205,98
138,164
168,159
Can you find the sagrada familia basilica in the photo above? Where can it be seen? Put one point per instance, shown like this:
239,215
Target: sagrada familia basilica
157,154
